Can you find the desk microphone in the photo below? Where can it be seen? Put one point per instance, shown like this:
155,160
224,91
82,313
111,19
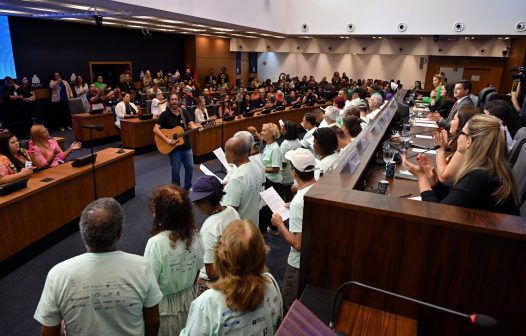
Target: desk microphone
476,319
95,127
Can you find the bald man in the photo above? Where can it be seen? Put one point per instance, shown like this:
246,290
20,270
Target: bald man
243,188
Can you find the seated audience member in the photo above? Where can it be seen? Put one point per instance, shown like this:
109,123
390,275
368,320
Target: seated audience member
245,299
293,99
272,162
310,97
280,100
375,104
351,126
310,124
343,139
225,110
174,240
244,185
417,86
45,151
446,103
201,114
462,93
77,290
99,84
135,98
358,96
484,181
436,94
302,162
125,109
13,159
332,114
325,146
245,106
448,166
206,194
158,105
113,97
97,100
127,84
209,78
147,81
158,80
289,130
505,112
223,86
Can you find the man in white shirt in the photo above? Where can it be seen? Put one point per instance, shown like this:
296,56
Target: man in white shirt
303,163
309,124
243,188
103,291
158,104
332,113
375,103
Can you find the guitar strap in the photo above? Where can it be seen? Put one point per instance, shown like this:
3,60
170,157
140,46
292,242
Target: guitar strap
185,126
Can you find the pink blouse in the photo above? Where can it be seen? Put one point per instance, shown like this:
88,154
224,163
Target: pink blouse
6,166
38,158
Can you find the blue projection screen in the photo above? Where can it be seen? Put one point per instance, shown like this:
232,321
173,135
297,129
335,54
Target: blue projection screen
7,61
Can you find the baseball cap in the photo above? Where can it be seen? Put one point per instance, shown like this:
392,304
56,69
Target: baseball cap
302,159
204,187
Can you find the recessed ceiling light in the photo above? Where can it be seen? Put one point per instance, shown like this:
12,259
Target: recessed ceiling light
192,29
506,38
44,9
8,11
251,32
380,37
280,37
306,37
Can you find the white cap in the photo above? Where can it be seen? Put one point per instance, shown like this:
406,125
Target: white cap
394,86
302,159
332,112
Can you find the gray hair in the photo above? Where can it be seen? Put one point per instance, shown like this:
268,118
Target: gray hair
377,99
247,138
101,223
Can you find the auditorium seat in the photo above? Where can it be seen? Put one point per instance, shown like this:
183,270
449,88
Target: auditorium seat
148,106
492,96
519,140
483,94
520,178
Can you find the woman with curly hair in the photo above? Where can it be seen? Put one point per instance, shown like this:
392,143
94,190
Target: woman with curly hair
175,252
245,300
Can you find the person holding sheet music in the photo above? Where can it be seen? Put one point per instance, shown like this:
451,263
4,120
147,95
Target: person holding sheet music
272,161
175,116
302,164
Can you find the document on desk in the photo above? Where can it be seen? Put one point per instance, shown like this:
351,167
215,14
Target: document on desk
275,202
425,121
431,125
208,172
222,158
422,136
420,150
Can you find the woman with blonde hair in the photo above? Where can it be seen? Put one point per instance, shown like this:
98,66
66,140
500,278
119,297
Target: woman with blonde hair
45,151
272,161
245,299
484,181
175,251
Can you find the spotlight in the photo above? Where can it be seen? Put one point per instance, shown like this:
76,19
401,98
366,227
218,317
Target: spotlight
98,20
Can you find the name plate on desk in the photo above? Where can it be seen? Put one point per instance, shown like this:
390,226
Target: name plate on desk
353,160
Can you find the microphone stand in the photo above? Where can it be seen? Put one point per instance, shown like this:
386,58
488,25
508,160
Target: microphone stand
93,164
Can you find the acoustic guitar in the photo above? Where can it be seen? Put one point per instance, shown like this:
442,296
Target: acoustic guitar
177,133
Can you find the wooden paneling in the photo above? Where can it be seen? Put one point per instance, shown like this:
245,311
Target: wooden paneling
459,258
220,57
136,133
106,119
43,207
490,69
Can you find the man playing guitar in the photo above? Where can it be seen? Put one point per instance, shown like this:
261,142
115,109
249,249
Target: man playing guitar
182,153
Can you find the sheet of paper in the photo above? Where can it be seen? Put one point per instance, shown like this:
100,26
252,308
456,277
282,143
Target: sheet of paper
208,172
420,150
424,120
281,123
222,158
421,136
433,125
416,198
275,203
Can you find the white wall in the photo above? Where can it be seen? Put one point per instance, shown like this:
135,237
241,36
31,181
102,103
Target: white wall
403,67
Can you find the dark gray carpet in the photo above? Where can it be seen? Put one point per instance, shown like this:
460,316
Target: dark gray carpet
20,290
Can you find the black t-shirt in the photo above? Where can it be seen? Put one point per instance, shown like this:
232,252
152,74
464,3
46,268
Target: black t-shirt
169,120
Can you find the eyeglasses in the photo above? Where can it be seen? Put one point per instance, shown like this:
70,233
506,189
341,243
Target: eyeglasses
463,133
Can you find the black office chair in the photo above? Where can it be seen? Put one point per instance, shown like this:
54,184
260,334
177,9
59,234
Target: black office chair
483,94
491,96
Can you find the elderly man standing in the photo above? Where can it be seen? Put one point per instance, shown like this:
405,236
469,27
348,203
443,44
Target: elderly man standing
244,185
103,291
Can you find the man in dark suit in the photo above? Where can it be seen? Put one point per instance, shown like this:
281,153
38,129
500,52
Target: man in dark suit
210,78
461,92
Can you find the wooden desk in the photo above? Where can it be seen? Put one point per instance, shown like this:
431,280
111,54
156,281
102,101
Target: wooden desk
106,119
459,258
43,207
136,133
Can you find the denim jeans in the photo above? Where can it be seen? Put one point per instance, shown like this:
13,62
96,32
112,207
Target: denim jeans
186,157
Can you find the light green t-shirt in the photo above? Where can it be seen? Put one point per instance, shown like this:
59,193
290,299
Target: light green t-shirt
211,232
175,266
272,158
242,191
296,223
286,173
99,294
209,314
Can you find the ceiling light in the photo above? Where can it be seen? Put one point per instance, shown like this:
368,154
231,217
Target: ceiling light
262,34
199,25
8,11
506,38
306,37
222,29
251,32
342,37
374,37
380,37
192,29
44,9
280,37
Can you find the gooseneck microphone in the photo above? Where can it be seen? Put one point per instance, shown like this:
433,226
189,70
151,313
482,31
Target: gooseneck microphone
95,127
476,319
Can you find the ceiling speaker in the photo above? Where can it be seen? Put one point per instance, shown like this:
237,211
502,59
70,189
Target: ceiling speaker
402,27
458,26
304,27
350,27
